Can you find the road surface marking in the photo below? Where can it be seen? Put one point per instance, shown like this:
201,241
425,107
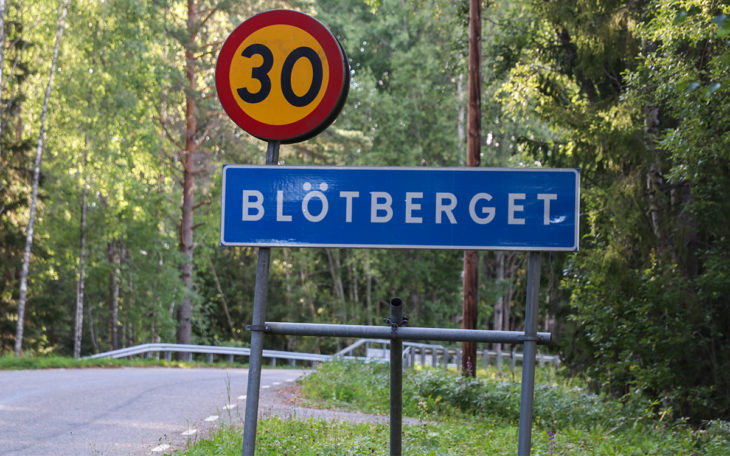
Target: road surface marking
229,406
160,448
189,432
211,418
242,398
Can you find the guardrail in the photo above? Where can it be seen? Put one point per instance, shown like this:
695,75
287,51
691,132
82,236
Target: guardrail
438,355
211,350
413,353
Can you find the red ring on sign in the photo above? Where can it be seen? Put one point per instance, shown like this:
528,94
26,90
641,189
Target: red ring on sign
335,92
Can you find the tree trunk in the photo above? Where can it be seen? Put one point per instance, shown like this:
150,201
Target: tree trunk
34,194
368,288
461,116
79,319
333,257
115,260
471,258
2,60
185,312
92,330
227,312
499,308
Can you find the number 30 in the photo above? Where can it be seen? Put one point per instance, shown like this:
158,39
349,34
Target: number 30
261,74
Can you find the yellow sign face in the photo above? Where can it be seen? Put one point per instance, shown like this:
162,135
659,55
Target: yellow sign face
282,76
279,74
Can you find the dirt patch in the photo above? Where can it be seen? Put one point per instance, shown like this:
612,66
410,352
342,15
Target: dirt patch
286,402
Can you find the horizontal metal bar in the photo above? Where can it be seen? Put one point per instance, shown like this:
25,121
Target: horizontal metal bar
242,351
402,333
206,349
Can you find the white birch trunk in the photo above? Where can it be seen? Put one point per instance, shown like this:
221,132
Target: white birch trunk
2,59
34,195
79,318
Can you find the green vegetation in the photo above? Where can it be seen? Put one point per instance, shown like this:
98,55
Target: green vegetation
636,94
11,362
464,416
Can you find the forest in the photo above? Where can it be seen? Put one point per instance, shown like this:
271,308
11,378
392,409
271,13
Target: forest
112,140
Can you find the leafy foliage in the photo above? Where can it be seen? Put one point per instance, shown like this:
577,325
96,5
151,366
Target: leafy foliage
464,416
632,93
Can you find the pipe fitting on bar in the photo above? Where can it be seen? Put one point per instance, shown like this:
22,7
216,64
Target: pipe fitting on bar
396,318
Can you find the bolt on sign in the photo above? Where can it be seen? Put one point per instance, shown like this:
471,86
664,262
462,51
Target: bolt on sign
282,76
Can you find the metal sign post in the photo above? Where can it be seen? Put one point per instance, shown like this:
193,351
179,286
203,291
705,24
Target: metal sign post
260,299
396,319
528,354
283,77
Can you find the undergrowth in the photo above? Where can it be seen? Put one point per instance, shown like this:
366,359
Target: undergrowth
460,416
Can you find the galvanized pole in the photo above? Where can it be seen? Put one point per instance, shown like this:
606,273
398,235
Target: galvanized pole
396,396
396,378
528,355
261,294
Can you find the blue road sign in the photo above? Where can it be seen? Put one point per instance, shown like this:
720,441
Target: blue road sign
425,208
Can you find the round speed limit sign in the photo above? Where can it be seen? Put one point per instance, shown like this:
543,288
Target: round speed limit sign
282,76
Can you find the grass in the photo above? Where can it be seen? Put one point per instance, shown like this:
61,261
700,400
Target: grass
11,362
461,416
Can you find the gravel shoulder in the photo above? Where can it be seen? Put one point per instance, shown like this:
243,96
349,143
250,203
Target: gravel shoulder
286,402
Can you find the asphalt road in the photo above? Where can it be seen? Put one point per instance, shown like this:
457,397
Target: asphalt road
130,411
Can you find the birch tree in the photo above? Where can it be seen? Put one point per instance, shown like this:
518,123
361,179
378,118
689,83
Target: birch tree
2,58
36,179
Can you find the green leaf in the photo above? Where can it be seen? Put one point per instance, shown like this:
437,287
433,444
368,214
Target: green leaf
680,18
723,26
713,88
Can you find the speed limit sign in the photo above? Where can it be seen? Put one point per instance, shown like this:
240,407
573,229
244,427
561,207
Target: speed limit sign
282,76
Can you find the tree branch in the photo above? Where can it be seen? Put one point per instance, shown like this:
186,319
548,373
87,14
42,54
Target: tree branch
206,133
207,18
169,136
202,203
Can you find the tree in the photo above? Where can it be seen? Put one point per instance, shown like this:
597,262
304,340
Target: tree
473,158
36,181
2,58
627,92
14,182
194,38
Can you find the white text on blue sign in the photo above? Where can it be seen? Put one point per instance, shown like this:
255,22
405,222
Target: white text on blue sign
449,208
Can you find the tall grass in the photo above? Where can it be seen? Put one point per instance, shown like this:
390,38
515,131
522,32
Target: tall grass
463,417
